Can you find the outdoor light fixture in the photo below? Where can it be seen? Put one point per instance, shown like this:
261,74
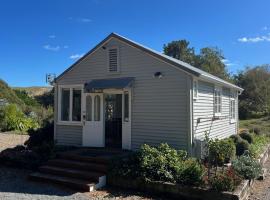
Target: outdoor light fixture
104,47
158,75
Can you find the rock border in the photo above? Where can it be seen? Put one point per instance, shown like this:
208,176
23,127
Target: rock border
188,192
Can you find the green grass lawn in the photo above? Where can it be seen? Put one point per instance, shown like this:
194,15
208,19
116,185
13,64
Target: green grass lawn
262,123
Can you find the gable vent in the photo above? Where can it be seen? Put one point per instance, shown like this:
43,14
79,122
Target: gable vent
113,60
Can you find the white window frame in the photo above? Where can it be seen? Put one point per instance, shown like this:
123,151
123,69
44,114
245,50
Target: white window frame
232,102
70,87
108,60
217,88
195,89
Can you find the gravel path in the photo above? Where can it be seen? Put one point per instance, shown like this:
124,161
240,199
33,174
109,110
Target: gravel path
261,189
14,183
9,140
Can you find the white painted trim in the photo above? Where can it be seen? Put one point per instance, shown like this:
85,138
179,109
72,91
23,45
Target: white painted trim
59,92
195,80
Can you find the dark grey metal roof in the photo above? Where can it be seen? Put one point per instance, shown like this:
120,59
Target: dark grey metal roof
115,83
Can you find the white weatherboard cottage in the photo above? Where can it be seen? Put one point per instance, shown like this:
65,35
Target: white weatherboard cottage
122,95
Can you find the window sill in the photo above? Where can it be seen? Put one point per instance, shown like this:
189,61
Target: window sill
217,115
232,121
69,123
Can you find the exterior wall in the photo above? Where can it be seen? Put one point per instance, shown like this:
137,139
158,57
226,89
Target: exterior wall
203,108
160,107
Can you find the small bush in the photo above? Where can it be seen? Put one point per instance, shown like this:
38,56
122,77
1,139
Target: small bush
247,136
225,181
190,172
221,151
161,163
247,167
241,147
257,131
236,138
259,144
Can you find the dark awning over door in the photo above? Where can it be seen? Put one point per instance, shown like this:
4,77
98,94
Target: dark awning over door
115,83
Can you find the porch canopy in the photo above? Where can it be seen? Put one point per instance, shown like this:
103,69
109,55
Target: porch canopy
114,83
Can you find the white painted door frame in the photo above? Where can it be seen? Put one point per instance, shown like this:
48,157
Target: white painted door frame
126,124
93,131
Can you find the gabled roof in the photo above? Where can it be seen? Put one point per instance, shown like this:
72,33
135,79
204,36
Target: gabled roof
177,63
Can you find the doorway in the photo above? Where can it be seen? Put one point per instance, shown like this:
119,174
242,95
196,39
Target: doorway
113,120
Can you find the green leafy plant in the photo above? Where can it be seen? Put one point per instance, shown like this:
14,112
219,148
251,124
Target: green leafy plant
190,172
161,163
236,138
247,167
225,180
247,136
259,144
12,118
221,151
242,146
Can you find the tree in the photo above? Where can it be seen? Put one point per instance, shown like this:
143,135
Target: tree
180,50
256,96
209,59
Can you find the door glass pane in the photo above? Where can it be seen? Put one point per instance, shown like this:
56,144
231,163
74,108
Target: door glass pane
76,105
88,108
97,108
65,104
126,107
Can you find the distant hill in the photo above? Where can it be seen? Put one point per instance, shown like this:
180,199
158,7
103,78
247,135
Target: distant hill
35,90
8,94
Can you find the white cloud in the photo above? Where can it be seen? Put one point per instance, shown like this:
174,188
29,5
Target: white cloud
51,48
65,46
52,36
84,20
80,19
263,38
229,63
265,28
76,56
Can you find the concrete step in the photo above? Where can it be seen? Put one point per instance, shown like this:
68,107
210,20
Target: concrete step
72,173
73,183
90,159
95,167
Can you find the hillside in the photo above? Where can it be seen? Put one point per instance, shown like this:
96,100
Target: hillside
34,91
8,94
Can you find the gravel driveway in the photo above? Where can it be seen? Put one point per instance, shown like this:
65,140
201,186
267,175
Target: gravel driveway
261,189
14,183
9,140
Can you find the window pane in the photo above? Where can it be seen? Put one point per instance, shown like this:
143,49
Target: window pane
76,105
126,106
65,104
88,108
97,108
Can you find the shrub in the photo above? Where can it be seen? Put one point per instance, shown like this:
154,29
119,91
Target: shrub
225,181
247,167
258,145
257,130
221,151
247,136
190,172
12,118
161,163
236,138
242,147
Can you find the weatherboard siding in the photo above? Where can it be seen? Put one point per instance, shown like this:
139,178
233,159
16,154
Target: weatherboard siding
159,106
203,108
69,135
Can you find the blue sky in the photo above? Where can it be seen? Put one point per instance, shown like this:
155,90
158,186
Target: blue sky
39,37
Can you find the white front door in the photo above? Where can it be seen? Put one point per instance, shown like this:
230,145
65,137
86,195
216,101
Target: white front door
93,119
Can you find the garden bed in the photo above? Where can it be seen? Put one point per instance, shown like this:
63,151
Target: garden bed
188,192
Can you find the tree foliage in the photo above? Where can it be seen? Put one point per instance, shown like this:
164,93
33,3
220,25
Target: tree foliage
209,59
256,95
